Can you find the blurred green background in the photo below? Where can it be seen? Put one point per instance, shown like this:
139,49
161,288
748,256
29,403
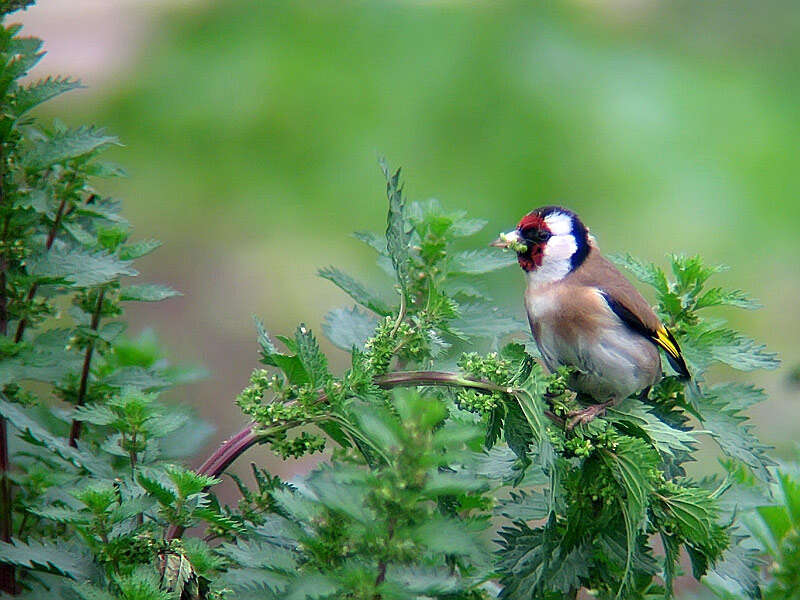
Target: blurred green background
252,131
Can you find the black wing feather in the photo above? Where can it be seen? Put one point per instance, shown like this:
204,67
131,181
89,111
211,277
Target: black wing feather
674,355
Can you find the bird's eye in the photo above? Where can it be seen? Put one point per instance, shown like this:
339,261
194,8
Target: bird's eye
537,236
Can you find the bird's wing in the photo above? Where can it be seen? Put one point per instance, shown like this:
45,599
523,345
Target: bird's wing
629,305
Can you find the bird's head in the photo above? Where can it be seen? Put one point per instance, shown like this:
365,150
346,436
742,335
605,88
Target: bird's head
550,241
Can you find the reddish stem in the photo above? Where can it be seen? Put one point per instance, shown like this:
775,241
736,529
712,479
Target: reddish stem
234,447
51,236
75,429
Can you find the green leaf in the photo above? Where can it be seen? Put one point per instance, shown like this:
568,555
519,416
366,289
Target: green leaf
34,94
720,297
310,587
516,432
347,329
705,344
736,439
139,249
87,591
314,361
66,145
630,464
665,439
737,396
79,267
423,581
355,290
532,566
159,491
525,506
398,227
96,414
137,377
480,261
484,320
441,535
259,555
373,240
38,435
672,555
66,560
737,572
149,292
643,271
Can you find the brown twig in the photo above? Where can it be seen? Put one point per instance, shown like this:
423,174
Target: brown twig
75,429
234,447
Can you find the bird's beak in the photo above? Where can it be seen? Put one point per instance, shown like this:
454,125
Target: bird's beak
508,240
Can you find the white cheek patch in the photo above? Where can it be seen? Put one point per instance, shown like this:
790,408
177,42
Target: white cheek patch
558,252
559,223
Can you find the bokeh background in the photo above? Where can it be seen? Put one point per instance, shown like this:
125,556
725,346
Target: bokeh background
252,130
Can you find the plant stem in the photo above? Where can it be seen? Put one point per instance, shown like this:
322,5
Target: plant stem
51,236
233,448
8,578
75,430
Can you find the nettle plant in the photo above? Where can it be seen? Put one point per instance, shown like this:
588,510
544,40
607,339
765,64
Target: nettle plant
451,472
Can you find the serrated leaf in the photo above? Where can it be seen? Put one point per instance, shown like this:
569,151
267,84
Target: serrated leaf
222,521
137,377
65,146
736,439
139,249
525,506
480,261
706,343
149,292
36,434
720,297
87,591
737,396
176,572
441,535
260,581
643,271
424,581
96,414
373,240
79,267
665,439
65,560
398,227
531,565
27,97
349,328
464,227
259,555
314,361
311,587
484,320
159,491
736,572
355,290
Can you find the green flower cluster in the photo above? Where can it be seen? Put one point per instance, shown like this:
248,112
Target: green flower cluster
491,367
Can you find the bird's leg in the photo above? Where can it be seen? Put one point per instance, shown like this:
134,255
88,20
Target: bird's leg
586,415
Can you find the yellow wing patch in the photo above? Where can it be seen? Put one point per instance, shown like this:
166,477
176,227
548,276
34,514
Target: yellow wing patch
664,339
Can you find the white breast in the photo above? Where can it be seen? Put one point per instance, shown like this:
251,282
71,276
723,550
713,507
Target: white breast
614,361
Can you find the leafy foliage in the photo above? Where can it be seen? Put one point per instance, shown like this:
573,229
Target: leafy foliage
416,480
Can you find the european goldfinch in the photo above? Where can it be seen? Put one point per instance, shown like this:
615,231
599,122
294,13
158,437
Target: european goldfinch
585,314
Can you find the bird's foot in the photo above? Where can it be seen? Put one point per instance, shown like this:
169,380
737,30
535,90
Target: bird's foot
586,415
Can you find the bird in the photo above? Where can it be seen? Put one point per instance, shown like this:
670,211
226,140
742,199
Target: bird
585,314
